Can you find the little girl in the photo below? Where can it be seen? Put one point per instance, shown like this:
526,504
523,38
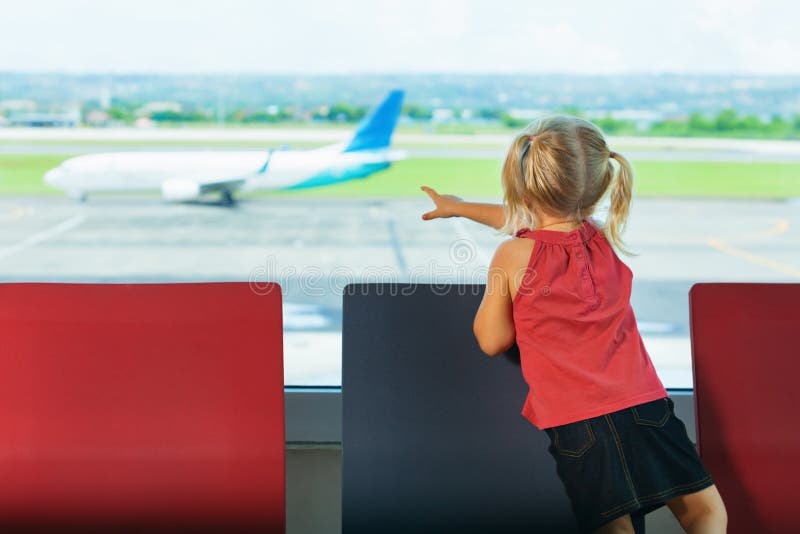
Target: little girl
559,291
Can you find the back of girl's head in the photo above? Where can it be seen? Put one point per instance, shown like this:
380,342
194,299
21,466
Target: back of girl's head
561,166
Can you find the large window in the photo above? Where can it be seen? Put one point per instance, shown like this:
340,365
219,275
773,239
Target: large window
193,177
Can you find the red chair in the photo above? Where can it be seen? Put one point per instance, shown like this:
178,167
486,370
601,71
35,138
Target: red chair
746,360
141,408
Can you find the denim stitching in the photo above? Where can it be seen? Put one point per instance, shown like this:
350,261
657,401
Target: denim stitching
647,422
658,495
580,452
618,444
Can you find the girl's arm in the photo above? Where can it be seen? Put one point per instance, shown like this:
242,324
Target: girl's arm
452,206
494,322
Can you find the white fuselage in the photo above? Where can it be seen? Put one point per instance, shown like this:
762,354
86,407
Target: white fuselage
154,171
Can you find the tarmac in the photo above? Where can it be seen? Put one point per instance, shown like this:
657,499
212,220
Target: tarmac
314,247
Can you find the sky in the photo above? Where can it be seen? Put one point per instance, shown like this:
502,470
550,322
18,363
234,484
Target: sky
380,36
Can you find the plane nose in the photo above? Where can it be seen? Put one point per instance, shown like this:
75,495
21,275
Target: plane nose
54,177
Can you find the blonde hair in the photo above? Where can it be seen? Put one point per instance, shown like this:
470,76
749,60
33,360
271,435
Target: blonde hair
562,166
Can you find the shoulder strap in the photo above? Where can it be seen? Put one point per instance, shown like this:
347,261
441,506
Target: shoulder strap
524,232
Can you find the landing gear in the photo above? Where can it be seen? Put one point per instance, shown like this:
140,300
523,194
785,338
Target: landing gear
80,196
226,198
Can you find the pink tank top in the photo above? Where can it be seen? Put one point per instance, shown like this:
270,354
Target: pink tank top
580,349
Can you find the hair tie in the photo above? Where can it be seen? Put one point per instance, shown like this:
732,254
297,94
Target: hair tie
612,154
525,151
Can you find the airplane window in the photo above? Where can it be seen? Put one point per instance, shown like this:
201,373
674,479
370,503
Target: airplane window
262,158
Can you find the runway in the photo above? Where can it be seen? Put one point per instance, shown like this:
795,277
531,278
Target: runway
314,247
443,152
73,141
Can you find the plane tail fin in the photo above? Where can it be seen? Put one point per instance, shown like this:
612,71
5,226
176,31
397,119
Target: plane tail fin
375,130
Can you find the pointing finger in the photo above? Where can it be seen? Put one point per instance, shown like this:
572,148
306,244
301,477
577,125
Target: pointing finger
429,191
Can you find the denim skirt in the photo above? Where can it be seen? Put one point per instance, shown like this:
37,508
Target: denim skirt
626,462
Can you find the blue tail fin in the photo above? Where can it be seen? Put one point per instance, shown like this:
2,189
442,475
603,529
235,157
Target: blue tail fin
375,130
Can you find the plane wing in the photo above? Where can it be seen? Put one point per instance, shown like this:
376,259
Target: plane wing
187,189
222,185
181,189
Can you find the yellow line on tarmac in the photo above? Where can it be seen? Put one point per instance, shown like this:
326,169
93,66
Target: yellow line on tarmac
779,228
13,214
777,266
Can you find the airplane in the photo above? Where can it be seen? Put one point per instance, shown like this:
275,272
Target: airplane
189,176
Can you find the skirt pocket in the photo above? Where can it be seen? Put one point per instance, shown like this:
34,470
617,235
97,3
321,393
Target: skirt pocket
654,413
573,439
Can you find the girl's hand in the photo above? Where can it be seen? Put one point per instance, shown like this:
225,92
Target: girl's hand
446,205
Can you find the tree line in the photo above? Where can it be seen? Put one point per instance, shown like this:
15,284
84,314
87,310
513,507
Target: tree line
725,123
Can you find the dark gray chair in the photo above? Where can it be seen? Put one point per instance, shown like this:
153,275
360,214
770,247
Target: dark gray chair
433,439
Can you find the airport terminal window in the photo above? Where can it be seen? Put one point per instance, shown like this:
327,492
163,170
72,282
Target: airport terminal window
108,176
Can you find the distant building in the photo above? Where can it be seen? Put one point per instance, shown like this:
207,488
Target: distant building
97,117
144,122
44,119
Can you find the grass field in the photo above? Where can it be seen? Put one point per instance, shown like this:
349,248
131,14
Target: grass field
22,175
480,178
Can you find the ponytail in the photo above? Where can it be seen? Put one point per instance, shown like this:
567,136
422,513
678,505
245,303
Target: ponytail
516,167
621,193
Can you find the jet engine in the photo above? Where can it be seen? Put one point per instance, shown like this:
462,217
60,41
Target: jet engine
180,189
